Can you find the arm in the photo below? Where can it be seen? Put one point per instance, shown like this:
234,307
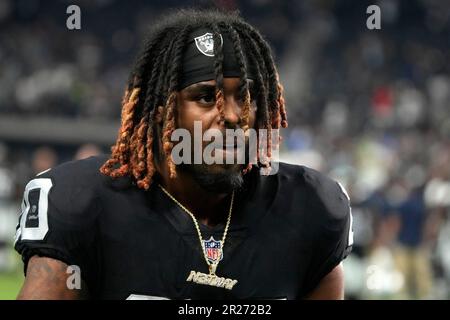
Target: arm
46,279
58,221
331,287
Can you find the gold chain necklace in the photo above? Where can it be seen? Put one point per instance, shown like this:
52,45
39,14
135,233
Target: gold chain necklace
210,279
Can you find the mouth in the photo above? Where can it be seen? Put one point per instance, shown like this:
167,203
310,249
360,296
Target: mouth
231,153
229,145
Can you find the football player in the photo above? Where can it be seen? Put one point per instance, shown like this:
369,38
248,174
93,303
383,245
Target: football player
135,225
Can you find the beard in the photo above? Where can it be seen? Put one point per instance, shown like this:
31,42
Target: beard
218,178
215,178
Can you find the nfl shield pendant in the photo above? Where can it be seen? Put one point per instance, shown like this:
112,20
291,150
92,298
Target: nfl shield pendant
213,250
214,254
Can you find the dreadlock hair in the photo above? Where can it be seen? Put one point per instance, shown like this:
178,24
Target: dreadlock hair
153,85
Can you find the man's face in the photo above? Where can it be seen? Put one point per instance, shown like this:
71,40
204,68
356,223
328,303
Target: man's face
197,103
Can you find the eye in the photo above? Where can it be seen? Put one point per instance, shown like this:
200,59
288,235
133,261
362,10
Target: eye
207,98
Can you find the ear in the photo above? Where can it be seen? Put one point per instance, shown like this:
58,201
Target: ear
159,114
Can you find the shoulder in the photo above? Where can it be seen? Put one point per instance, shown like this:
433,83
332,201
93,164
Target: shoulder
60,212
324,199
77,171
62,200
70,189
323,212
83,175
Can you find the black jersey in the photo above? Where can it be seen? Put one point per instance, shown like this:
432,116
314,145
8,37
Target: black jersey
287,232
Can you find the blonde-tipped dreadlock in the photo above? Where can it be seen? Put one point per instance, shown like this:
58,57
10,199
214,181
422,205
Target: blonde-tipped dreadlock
121,150
168,127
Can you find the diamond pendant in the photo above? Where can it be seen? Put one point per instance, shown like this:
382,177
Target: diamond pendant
214,254
211,279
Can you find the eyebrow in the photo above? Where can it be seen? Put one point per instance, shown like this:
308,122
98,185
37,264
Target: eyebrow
199,87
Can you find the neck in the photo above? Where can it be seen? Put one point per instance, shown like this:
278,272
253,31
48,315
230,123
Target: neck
208,208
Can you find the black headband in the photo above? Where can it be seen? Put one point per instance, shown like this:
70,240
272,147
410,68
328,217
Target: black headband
198,59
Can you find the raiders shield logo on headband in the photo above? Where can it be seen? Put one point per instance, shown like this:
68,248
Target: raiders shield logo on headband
205,44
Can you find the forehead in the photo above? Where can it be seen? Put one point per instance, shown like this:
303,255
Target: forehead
229,83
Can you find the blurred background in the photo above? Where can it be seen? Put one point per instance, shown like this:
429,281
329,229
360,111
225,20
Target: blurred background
371,108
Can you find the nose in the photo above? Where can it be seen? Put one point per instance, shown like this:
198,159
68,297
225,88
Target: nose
232,112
